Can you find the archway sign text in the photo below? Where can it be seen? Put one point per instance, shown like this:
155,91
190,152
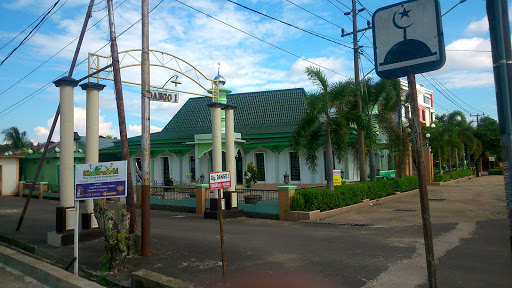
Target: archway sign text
164,96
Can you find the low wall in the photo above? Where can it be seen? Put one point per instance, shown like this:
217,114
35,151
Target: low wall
262,210
296,216
187,204
452,181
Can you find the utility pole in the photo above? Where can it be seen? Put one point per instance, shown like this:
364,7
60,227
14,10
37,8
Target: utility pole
497,13
360,133
145,145
120,113
477,115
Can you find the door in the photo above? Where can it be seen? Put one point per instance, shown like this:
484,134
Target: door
239,169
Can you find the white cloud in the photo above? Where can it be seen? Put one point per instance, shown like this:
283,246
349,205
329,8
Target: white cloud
105,128
478,27
469,59
467,79
135,130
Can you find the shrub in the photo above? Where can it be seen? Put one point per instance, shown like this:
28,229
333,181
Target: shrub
497,171
406,183
460,173
250,175
296,203
325,199
442,178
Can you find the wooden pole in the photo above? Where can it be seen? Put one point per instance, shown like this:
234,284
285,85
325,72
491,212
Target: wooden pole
425,210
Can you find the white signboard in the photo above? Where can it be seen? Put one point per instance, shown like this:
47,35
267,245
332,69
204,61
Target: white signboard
100,180
408,38
165,96
491,159
220,180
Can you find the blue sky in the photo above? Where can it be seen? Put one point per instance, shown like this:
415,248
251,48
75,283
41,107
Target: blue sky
247,63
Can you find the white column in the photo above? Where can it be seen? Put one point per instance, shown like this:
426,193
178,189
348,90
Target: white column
66,85
230,144
216,138
92,128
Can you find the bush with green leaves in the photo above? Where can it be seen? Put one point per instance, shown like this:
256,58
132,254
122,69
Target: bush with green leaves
251,175
442,178
497,171
345,195
297,203
406,183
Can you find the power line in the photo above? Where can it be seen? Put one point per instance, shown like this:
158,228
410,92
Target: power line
291,25
40,90
58,52
44,87
30,25
449,91
313,14
268,43
33,31
446,96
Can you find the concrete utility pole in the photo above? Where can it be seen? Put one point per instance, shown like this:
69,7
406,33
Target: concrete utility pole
360,132
145,141
497,13
120,114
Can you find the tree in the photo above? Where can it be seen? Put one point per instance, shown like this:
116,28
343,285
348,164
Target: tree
324,123
488,132
380,100
15,139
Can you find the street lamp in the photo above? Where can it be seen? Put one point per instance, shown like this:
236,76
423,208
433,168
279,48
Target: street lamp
428,137
175,81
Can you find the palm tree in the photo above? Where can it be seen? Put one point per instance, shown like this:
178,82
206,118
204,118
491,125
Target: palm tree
324,123
16,139
380,100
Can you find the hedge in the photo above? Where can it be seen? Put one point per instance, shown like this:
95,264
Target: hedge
453,175
442,178
324,199
497,171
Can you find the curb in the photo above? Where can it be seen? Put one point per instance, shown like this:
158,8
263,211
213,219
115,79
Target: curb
42,271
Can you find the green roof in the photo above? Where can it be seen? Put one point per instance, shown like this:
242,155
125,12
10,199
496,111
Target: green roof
265,112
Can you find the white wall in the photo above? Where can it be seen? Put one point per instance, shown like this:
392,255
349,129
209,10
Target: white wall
9,175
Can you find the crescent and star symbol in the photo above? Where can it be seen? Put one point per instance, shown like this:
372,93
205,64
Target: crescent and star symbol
404,13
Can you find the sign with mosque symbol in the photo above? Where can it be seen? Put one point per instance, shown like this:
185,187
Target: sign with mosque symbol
408,38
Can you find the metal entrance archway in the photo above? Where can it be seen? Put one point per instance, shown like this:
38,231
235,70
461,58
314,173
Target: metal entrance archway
131,58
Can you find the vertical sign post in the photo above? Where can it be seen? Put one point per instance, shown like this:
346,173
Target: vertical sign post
408,40
96,181
219,181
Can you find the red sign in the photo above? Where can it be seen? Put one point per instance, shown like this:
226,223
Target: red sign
220,180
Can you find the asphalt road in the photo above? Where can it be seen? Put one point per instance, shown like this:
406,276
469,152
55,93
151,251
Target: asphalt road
373,247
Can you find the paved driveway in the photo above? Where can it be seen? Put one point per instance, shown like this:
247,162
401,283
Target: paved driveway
469,227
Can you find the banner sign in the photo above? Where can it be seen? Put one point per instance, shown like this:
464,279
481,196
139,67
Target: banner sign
336,175
163,96
220,180
100,180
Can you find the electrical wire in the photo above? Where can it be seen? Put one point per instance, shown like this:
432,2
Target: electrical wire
40,90
30,25
268,43
44,87
291,25
58,52
446,96
449,91
314,14
32,32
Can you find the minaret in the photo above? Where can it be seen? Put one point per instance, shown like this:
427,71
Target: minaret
223,91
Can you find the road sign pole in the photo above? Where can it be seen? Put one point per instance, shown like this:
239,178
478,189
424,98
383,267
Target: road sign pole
75,249
425,210
219,205
497,13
